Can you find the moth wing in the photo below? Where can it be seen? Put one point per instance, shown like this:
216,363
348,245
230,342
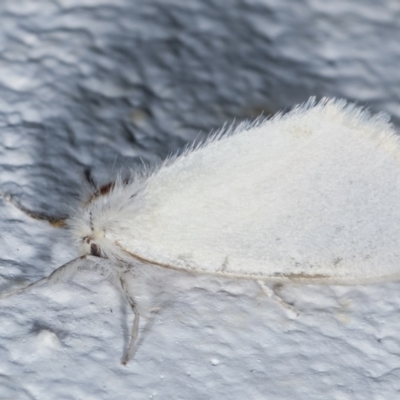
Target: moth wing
312,195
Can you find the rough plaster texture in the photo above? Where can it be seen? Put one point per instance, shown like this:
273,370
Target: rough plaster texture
96,84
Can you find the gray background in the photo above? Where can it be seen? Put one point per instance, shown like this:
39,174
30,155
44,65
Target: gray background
96,85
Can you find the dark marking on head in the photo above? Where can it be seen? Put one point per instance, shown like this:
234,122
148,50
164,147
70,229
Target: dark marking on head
89,177
105,189
95,250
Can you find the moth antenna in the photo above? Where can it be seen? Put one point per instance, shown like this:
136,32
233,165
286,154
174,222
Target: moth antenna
292,311
55,222
135,328
114,162
59,274
25,289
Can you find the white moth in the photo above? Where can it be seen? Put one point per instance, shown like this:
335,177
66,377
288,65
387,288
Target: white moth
311,196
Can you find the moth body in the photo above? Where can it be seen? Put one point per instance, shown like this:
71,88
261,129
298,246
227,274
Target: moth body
309,196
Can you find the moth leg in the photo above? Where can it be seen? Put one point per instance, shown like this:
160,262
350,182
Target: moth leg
135,328
292,311
55,222
116,274
61,273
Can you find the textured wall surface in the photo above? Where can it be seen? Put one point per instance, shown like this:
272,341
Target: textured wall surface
93,85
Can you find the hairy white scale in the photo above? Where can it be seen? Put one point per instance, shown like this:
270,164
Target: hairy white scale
310,196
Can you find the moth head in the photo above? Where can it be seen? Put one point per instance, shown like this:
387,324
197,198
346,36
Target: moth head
87,223
89,236
94,221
